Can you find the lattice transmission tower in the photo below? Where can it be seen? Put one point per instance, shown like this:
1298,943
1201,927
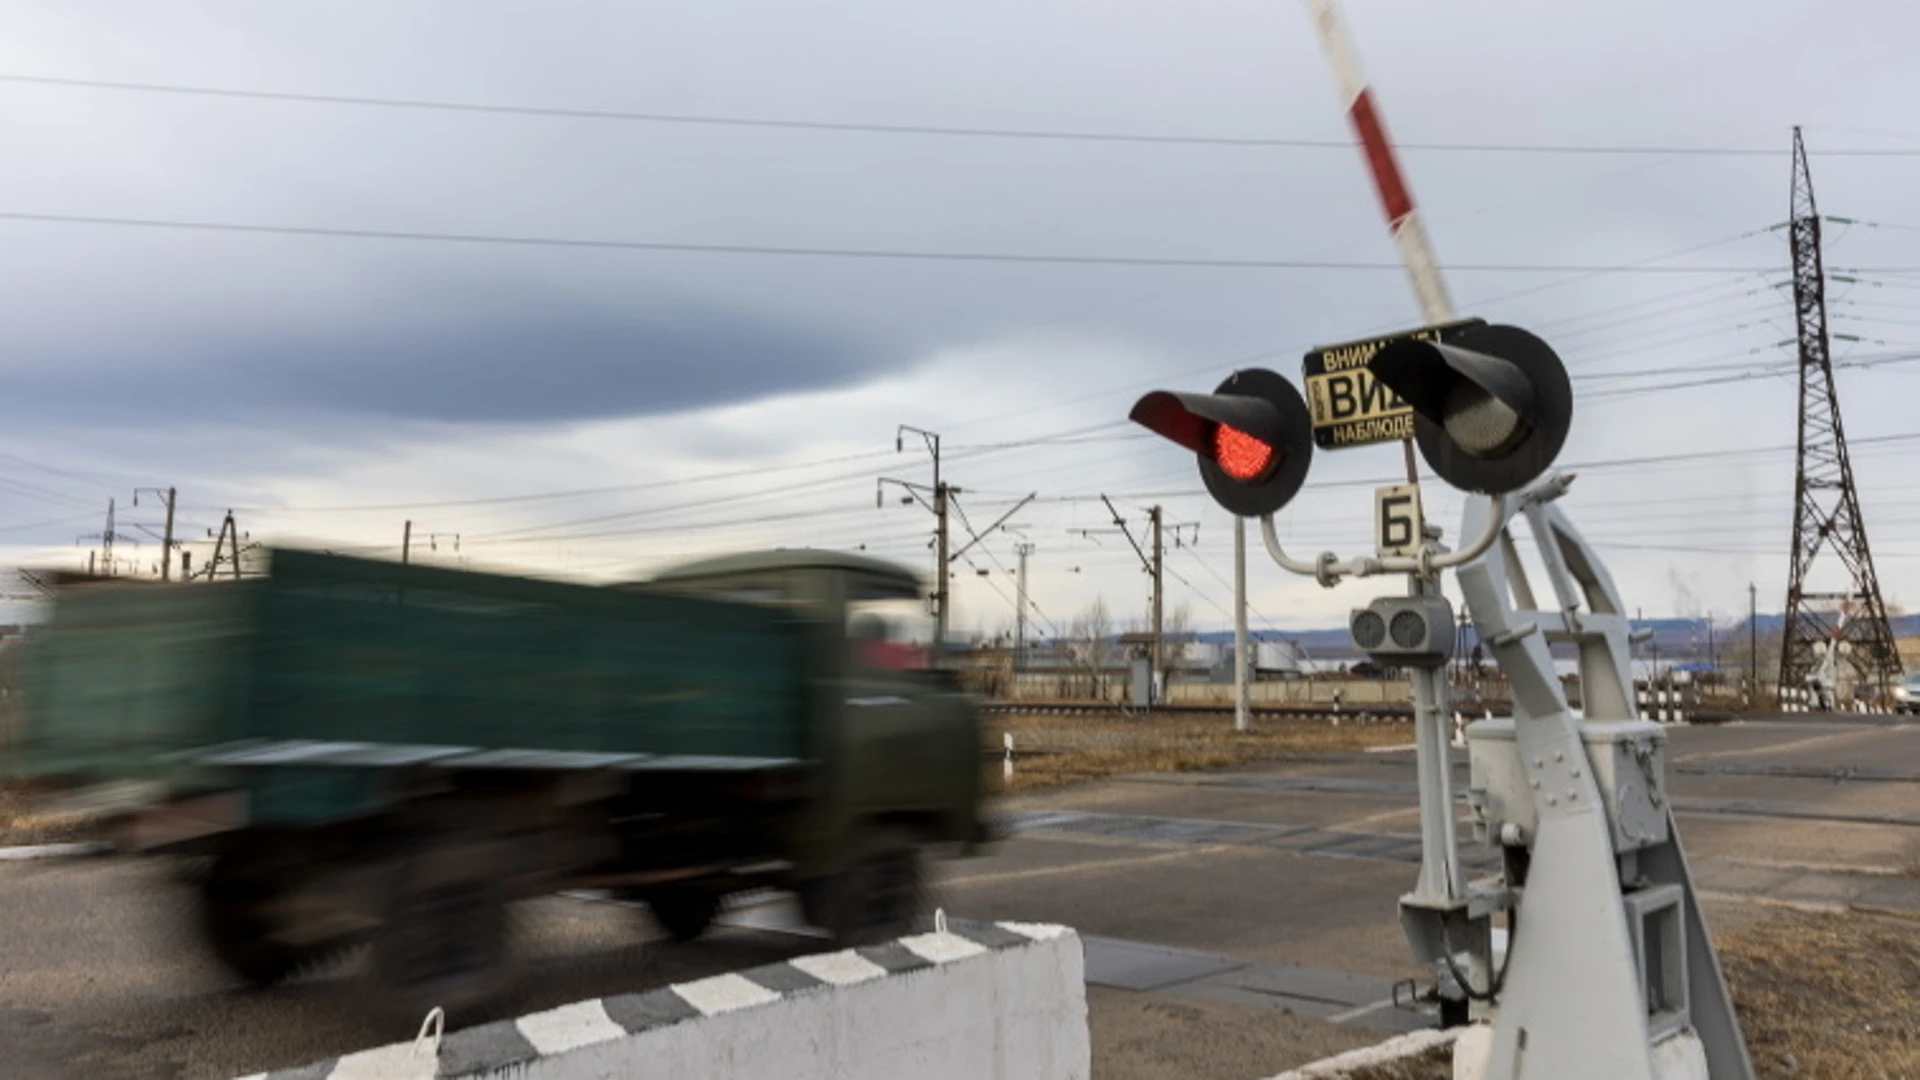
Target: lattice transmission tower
1826,510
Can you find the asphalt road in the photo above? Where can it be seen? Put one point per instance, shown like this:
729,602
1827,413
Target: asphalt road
1238,922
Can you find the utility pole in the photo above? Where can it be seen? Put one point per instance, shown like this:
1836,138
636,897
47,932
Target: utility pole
1753,643
433,542
1154,565
941,496
943,589
106,541
229,540
1159,595
1022,549
1241,706
1826,504
166,540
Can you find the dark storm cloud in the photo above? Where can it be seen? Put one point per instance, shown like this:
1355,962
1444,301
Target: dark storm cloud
492,360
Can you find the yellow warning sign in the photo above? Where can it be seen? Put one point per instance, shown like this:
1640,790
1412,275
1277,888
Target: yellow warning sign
1347,405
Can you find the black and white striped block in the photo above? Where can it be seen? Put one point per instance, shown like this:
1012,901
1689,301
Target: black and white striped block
520,1047
1661,705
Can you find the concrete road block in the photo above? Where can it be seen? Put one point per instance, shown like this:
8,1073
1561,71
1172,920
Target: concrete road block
977,1001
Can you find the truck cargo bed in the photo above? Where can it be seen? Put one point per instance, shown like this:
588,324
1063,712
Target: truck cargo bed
342,663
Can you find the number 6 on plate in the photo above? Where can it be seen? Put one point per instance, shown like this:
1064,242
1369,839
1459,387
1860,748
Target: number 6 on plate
1396,520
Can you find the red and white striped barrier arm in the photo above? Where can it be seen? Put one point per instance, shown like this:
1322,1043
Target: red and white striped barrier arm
1403,217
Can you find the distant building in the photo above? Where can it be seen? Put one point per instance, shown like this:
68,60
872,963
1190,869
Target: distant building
1909,649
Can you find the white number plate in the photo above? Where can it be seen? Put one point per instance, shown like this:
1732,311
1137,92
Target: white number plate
1396,520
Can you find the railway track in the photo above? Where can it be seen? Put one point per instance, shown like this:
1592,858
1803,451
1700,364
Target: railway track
1373,713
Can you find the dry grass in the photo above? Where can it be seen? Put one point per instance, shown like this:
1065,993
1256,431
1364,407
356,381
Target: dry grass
1832,997
1821,997
1055,750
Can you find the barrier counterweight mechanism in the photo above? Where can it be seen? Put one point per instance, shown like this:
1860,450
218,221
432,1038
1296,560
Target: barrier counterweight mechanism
1608,970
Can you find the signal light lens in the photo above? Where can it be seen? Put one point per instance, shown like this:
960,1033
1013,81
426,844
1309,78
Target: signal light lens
1240,455
1252,437
1480,423
1491,408
1369,630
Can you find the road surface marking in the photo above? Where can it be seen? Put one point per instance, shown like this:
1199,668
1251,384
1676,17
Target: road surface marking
1384,815
1359,1011
1796,744
1102,864
1814,867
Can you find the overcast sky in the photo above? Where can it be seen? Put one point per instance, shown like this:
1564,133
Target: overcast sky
656,404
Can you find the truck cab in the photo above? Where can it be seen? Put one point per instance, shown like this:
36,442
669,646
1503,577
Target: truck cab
890,722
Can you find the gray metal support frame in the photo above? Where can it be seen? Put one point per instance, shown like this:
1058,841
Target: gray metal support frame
1595,877
1440,921
1572,1003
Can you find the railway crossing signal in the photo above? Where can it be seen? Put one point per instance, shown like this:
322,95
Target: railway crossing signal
1491,409
1250,436
1608,969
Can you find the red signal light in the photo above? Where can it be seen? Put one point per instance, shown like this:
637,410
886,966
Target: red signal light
1240,455
1252,437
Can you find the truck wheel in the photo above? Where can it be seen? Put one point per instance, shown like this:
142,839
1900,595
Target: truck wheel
236,926
684,913
879,893
446,946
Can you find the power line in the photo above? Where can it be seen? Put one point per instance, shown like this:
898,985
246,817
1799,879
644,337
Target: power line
869,254
1870,224
694,526
1557,326
1636,328
1268,354
967,453
538,496
933,130
43,467
35,491
1193,551
48,523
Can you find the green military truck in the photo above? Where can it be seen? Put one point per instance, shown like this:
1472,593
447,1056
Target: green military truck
361,752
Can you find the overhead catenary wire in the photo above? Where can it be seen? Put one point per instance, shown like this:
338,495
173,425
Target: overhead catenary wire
958,453
1643,461
881,254
925,130
50,522
1068,438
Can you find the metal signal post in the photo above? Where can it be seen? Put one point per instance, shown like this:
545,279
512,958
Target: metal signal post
1608,971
